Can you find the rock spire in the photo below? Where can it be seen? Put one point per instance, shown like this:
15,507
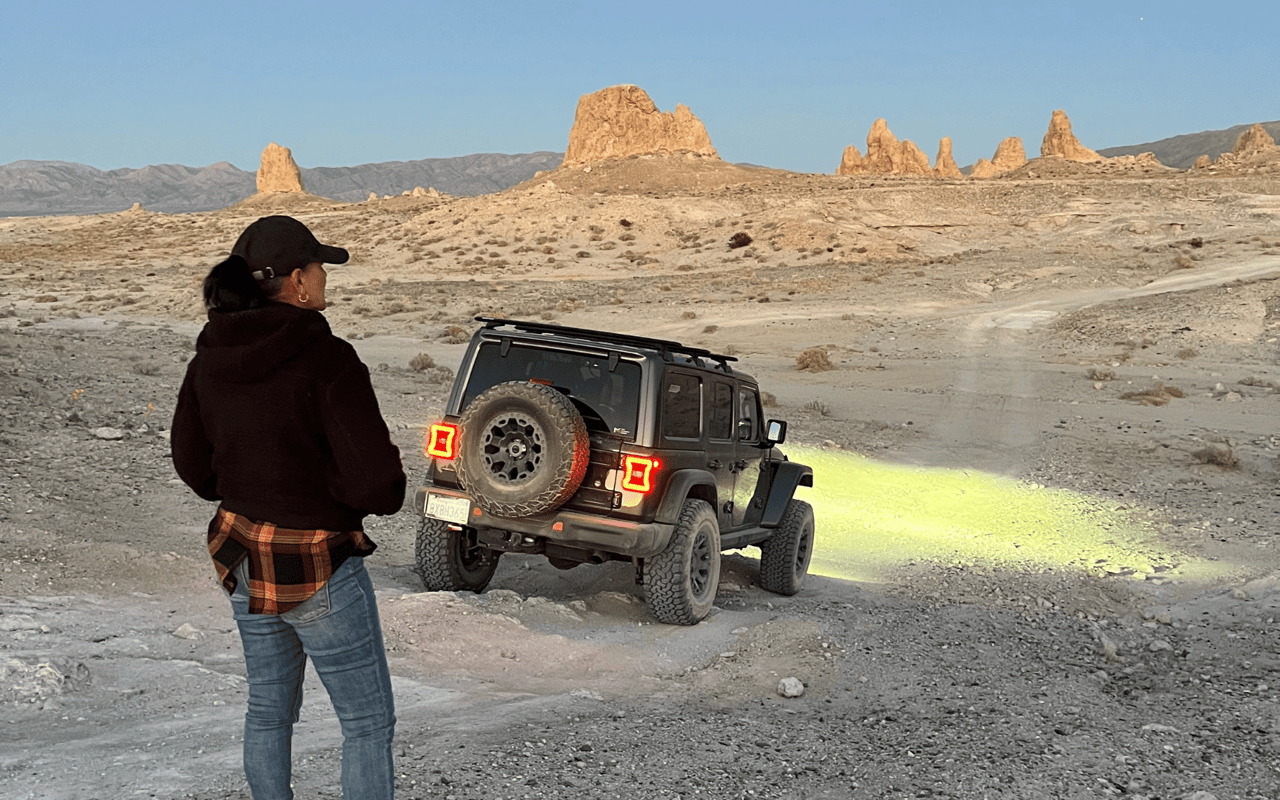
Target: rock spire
278,171
1061,142
622,121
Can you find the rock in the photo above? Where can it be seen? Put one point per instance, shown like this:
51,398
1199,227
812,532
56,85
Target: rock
622,121
888,156
1254,140
1059,141
418,191
188,631
278,171
1155,727
1200,794
1202,162
1009,155
983,169
110,434
372,196
944,166
852,163
790,687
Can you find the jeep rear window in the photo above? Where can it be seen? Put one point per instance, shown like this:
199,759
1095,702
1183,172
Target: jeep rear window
606,399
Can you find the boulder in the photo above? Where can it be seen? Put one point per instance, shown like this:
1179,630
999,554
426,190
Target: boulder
1059,141
1009,155
1202,162
945,166
622,121
278,171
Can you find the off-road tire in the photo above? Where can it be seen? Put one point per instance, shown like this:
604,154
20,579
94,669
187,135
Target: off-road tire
680,583
450,560
524,449
785,556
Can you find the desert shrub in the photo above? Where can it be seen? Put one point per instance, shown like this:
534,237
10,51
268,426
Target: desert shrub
1187,353
689,315
815,359
1157,395
582,254
711,329
421,362
739,239
1100,374
148,368
768,400
1219,454
455,335
818,408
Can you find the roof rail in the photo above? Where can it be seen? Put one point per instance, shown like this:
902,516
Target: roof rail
664,346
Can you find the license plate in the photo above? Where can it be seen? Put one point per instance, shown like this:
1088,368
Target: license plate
449,509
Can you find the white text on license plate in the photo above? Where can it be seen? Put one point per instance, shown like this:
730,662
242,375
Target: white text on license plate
449,509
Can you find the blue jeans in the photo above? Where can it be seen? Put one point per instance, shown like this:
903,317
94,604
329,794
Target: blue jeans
338,629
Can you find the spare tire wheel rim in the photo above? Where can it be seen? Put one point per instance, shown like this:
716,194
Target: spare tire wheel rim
513,445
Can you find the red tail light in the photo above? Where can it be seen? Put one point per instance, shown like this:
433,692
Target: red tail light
442,440
638,473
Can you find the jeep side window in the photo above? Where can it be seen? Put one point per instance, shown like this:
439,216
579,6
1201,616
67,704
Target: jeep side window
682,406
721,423
748,415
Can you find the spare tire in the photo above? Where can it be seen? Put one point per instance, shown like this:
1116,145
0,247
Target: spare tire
524,449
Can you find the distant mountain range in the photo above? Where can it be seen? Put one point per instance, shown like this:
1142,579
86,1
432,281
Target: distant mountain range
1182,151
29,188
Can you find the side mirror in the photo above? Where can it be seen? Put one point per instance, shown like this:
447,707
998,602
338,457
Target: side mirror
777,431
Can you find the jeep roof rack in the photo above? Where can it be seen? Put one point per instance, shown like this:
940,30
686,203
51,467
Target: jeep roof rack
664,346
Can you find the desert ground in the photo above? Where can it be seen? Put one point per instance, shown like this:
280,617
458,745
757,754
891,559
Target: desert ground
1108,333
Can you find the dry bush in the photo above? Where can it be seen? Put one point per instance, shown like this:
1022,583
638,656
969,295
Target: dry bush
818,408
1100,374
689,315
455,335
711,329
148,368
1157,395
421,362
739,239
768,399
815,359
1187,353
1219,454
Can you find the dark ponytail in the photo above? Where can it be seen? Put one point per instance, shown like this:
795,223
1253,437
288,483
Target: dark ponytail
229,286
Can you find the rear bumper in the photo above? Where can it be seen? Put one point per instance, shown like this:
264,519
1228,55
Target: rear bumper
568,528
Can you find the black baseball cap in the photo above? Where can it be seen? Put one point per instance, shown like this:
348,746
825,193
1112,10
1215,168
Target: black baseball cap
275,246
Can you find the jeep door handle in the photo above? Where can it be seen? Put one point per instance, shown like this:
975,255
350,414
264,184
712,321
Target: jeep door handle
714,464
738,466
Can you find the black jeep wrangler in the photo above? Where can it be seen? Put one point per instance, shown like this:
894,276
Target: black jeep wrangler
586,446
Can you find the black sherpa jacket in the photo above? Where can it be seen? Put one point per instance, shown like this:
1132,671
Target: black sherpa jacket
277,419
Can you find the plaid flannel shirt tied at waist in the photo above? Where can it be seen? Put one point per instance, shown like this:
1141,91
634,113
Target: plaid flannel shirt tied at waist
286,565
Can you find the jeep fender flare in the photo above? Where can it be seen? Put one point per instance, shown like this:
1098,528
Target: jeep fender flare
786,477
686,484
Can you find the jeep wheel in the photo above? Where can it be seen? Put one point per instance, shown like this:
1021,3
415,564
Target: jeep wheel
450,560
524,449
784,556
680,582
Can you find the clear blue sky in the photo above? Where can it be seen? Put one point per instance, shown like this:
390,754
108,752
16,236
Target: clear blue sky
781,84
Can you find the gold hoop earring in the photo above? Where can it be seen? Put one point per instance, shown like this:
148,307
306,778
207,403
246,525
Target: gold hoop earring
303,297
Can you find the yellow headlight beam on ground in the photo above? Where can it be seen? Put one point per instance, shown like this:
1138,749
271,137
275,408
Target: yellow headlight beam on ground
873,518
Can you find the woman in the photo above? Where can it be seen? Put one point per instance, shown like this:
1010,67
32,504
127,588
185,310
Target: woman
277,420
